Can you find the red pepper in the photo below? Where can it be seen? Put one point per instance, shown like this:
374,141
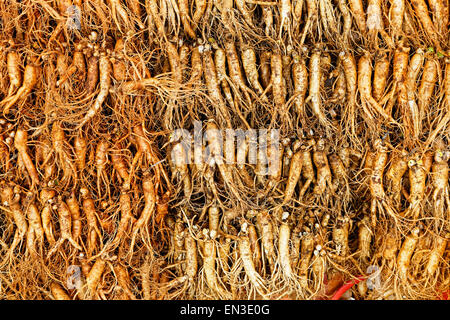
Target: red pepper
346,286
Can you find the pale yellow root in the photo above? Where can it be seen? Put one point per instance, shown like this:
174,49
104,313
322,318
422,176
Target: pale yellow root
246,256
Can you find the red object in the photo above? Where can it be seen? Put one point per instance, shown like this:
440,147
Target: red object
347,286
445,295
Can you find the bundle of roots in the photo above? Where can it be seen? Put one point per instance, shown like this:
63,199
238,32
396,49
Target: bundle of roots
224,149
